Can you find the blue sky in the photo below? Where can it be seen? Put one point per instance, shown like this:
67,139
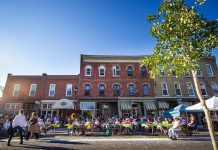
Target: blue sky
38,36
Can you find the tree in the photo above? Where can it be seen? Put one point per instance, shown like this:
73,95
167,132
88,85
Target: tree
183,38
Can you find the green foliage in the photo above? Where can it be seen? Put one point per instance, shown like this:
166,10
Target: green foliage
183,38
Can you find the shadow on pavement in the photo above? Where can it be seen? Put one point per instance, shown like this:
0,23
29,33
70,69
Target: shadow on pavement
66,142
28,146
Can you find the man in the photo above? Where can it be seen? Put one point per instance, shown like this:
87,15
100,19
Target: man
175,128
18,123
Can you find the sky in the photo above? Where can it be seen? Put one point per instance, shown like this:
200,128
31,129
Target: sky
48,36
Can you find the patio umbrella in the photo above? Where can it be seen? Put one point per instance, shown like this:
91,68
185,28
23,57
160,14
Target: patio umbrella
178,109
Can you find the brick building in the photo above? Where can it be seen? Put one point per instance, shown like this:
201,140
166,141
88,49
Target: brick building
106,85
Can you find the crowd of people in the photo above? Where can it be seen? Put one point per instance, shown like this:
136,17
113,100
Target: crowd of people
32,126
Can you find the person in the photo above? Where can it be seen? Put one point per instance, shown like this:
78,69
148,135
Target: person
5,127
174,129
192,124
34,126
18,123
10,131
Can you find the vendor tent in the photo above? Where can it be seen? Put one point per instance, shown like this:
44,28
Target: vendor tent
178,109
211,103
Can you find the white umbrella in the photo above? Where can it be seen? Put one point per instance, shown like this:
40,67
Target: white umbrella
211,103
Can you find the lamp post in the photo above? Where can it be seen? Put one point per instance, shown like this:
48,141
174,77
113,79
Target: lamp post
75,97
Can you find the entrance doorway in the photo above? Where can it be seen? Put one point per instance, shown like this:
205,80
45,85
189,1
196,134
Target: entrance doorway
136,110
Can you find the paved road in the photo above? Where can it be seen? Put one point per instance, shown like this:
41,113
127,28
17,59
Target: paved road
108,144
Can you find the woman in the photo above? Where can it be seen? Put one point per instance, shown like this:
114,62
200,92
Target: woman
34,126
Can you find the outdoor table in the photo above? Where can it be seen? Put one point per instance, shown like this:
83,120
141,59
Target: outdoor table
129,126
164,125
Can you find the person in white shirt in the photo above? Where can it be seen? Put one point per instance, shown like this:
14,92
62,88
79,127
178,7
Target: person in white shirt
18,123
175,128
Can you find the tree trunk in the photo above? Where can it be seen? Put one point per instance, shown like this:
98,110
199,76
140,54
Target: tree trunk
206,110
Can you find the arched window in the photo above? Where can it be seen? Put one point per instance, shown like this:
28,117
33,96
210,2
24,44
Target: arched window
131,89
145,90
101,70
129,70
88,71
116,70
143,71
87,89
101,89
116,90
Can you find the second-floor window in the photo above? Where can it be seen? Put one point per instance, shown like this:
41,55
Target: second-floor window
190,89
116,90
164,89
16,90
131,89
69,90
88,71
203,89
130,70
214,87
209,70
52,90
101,89
32,90
116,71
87,89
177,89
143,71
145,90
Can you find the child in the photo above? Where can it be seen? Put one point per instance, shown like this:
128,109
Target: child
10,131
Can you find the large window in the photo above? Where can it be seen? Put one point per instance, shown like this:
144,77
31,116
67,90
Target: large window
177,89
130,70
131,89
203,89
88,71
116,71
101,89
214,87
116,90
87,105
190,89
52,90
164,89
209,70
143,71
16,90
32,90
101,71
145,89
69,90
87,89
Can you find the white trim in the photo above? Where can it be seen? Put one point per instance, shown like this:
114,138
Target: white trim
99,68
212,75
204,88
191,87
88,67
114,68
164,89
50,90
215,86
16,88
114,61
178,88
71,86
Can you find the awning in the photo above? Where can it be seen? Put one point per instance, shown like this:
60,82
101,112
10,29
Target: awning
150,106
64,104
125,105
163,105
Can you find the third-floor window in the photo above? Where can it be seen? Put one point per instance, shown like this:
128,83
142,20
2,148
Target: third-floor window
69,90
190,88
116,71
143,70
32,90
209,70
52,90
101,71
88,71
16,90
214,87
130,71
164,89
203,89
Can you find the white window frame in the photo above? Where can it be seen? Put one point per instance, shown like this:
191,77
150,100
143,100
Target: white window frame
71,88
190,89
211,70
88,67
164,89
204,88
16,88
114,71
31,89
215,86
99,71
50,90
177,88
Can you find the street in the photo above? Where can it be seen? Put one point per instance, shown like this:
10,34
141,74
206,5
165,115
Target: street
108,143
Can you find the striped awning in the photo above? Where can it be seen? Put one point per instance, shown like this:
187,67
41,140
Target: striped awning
163,105
150,105
125,105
